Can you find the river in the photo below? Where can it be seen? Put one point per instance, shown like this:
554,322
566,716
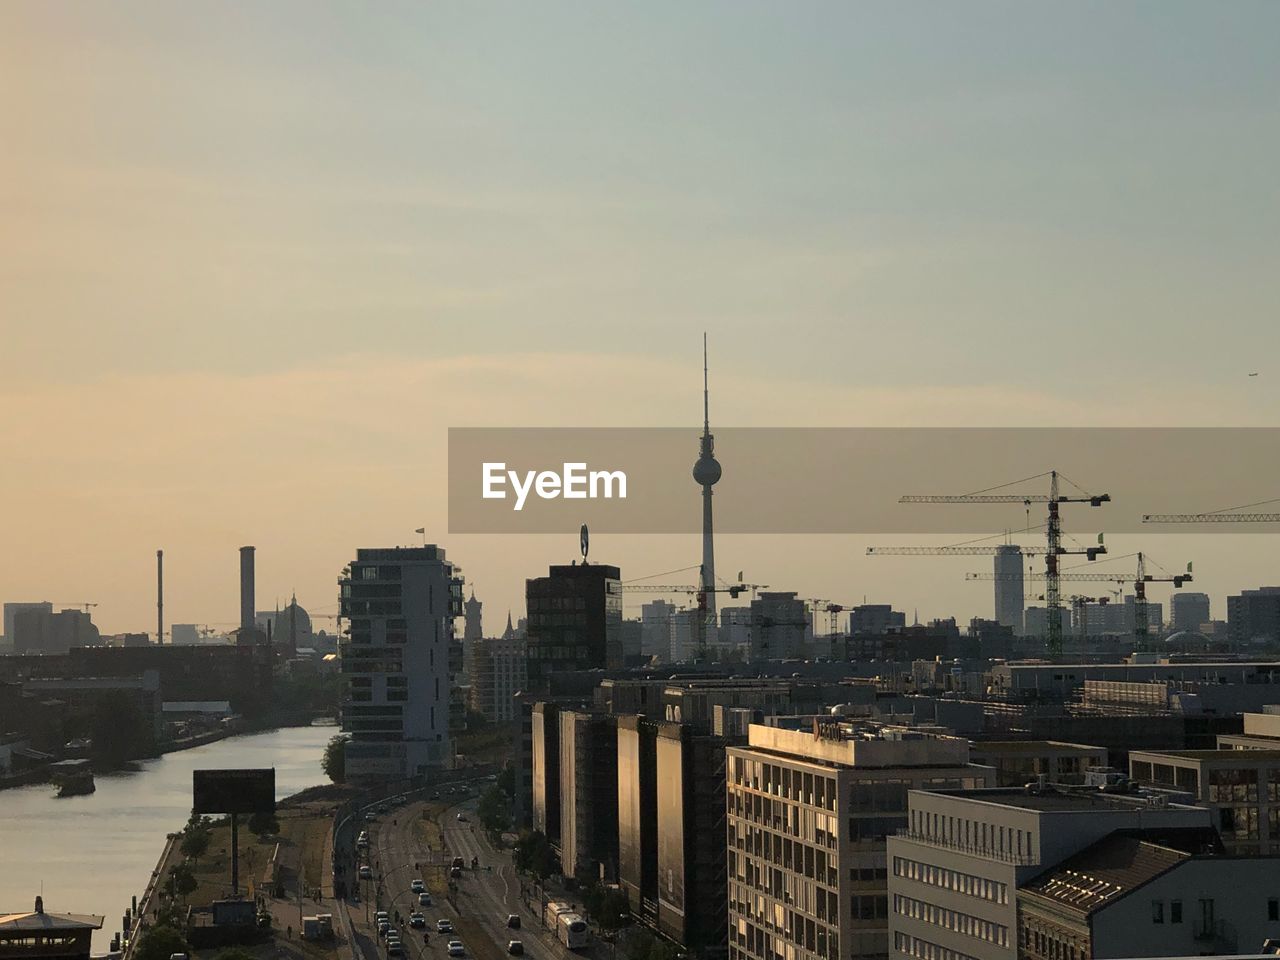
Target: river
93,853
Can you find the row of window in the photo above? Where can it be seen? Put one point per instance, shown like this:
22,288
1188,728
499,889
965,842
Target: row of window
815,938
925,949
989,838
965,883
785,817
1038,944
803,786
791,855
954,920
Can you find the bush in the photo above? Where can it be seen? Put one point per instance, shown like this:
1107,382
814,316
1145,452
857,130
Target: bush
160,943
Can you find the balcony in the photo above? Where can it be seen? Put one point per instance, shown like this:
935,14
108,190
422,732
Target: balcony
987,853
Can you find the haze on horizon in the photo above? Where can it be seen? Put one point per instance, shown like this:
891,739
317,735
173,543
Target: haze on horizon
256,259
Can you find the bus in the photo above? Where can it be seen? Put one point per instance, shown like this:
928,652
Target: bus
571,930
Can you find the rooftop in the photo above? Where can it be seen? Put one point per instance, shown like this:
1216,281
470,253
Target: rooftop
1246,757
1030,746
38,920
1051,800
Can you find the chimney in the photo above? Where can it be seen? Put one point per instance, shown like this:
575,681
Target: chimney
246,590
159,597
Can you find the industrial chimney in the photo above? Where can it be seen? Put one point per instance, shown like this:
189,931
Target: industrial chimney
159,597
246,592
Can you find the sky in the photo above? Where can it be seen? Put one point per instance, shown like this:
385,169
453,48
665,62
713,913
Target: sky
255,259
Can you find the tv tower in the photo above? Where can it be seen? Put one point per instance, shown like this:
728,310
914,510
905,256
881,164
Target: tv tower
706,472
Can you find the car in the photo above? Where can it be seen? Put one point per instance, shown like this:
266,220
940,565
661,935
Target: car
462,817
444,926
515,947
395,949
417,886
417,920
458,862
456,948
366,872
380,916
393,938
424,899
513,921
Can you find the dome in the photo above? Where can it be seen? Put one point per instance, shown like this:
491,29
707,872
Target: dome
706,471
1188,638
301,624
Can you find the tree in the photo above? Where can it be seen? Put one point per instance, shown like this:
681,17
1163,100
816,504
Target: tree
534,855
507,781
607,906
195,839
234,953
495,810
263,823
119,731
183,879
160,943
335,758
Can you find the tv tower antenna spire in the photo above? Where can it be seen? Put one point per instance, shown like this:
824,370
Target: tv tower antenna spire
706,473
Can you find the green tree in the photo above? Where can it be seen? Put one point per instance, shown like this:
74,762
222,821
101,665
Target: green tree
160,943
534,855
183,880
495,810
507,781
195,839
334,761
264,823
234,953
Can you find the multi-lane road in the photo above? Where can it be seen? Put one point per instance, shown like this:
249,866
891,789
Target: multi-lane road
484,898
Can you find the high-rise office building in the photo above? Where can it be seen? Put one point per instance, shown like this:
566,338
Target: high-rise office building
497,674
779,625
1189,611
575,620
808,814
399,661
1009,589
1254,615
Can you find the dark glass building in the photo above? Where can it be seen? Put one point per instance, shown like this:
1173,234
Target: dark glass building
575,621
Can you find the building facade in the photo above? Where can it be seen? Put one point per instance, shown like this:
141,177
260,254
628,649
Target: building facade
808,817
498,673
400,661
575,620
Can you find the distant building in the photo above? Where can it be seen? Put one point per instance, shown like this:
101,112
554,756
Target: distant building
46,936
1189,611
874,619
779,625
1009,589
735,629
655,628
184,634
808,816
1254,615
37,629
472,631
1036,621
400,662
575,620
498,673
683,636
11,611
1019,762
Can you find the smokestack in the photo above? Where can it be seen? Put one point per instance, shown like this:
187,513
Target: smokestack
159,597
246,589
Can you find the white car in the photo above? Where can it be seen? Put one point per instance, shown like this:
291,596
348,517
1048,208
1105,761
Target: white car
424,899
456,949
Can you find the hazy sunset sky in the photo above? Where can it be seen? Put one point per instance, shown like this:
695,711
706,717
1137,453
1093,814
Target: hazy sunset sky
255,259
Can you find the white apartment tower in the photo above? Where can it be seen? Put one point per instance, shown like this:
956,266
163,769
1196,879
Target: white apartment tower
398,661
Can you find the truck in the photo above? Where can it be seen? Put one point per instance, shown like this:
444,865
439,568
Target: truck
572,931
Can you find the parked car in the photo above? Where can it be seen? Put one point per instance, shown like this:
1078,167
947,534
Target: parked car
456,949
515,947
424,899
513,921
444,926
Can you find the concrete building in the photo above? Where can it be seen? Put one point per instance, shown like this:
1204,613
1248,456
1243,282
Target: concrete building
1129,896
184,634
671,830
874,619
779,624
955,870
400,661
735,629
655,628
1061,681
1261,731
11,611
808,816
588,835
39,630
1188,611
1019,762
1010,595
498,673
575,620
1254,616
1241,787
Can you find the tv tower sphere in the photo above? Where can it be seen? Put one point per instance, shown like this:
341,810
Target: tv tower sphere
707,470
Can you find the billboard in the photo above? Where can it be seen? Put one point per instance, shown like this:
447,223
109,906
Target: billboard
233,791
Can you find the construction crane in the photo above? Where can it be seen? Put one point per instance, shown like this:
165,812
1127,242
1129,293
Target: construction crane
1053,536
1140,578
1225,515
956,551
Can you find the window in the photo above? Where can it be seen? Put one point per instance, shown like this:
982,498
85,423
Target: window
1273,909
1157,911
1175,911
